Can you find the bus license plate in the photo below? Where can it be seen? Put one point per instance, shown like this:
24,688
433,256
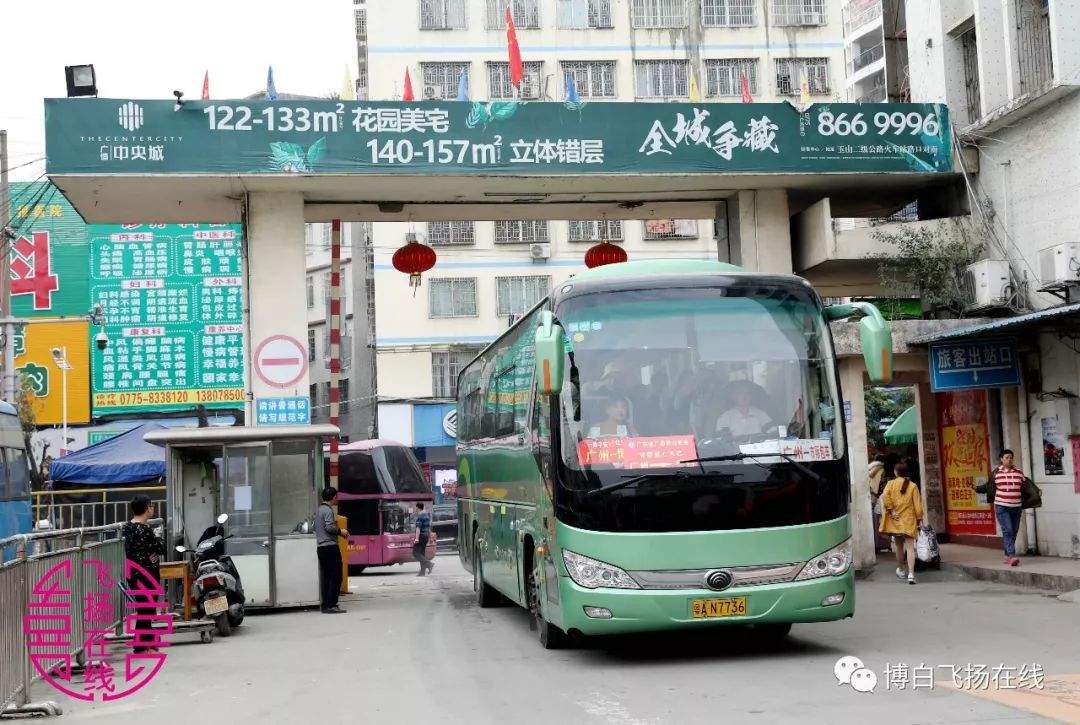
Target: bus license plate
217,605
710,608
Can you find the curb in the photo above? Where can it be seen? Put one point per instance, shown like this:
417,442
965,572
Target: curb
1018,577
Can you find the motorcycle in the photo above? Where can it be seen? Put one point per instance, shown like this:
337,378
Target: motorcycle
217,591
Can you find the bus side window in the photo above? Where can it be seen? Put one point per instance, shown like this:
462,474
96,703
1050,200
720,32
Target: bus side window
7,490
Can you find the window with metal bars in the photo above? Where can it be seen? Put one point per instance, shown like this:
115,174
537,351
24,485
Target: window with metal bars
969,50
661,78
521,231
517,295
723,76
727,13
343,391
452,297
583,14
600,230
1033,44
447,234
311,352
658,14
445,368
592,78
361,22
499,80
441,79
526,14
663,229
310,292
790,72
443,15
797,12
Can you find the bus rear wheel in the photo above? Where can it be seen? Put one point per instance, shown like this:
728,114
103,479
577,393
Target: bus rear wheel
486,596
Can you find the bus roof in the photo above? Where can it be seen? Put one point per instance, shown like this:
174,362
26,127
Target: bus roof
658,267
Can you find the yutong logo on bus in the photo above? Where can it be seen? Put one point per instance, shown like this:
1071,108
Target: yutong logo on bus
718,579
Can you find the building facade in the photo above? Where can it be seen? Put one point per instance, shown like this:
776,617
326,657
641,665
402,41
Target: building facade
490,271
1010,73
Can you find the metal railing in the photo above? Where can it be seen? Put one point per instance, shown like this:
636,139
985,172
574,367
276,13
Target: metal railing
866,57
858,14
90,507
24,560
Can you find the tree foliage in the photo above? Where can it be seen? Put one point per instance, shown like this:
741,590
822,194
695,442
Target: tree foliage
928,263
884,404
26,407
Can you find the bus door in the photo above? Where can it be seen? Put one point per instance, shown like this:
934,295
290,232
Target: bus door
246,499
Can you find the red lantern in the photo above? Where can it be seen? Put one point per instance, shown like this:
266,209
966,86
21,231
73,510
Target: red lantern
604,253
414,259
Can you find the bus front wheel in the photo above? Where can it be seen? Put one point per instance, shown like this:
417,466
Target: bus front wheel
551,637
486,596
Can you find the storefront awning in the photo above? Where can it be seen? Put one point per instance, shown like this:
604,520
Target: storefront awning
1065,316
904,429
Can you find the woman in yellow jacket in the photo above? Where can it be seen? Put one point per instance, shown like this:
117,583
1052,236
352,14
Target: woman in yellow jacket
901,512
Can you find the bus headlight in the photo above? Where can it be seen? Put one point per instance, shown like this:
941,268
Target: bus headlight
833,562
592,574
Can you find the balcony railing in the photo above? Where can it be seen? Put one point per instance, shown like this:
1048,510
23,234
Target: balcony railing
867,57
856,18
877,94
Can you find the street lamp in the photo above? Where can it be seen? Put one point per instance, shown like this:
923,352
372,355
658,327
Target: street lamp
60,358
81,80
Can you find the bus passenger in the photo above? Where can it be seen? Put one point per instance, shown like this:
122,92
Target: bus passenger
901,512
617,422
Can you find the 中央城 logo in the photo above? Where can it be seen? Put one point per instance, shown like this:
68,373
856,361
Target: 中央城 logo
130,116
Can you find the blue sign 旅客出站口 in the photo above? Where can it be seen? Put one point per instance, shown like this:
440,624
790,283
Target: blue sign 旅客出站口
283,411
973,364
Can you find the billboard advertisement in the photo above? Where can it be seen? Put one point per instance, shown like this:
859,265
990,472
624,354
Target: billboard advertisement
965,460
172,297
49,255
34,360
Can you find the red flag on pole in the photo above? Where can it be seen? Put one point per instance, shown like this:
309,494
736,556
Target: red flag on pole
206,86
745,86
517,69
408,94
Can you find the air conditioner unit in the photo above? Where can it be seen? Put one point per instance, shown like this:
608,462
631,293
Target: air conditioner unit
539,251
986,284
1060,264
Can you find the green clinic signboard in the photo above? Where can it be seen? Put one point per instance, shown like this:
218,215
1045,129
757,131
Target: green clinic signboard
49,254
172,296
117,136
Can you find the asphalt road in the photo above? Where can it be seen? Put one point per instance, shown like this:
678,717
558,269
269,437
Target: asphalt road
416,649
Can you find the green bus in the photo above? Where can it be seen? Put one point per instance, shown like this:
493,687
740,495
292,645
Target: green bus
660,444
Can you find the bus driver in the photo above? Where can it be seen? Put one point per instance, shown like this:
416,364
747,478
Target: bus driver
744,419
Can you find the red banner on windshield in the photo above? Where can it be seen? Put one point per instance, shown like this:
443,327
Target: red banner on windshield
637,451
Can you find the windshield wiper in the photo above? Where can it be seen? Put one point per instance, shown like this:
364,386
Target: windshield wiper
757,456
633,480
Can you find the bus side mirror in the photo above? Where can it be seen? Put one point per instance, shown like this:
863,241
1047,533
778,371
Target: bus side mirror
874,335
550,353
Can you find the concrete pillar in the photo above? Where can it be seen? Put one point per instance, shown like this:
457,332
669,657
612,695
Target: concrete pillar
759,231
930,456
862,519
276,282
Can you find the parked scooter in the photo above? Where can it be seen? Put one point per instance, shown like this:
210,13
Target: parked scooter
217,591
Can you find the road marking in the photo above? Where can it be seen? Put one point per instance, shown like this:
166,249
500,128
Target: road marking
1059,698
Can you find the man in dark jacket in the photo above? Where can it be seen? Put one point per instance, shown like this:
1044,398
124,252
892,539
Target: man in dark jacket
326,545
142,547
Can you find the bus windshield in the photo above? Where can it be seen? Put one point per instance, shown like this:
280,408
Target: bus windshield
670,375
694,409
380,470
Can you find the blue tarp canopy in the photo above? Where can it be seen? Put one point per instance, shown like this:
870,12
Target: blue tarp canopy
123,459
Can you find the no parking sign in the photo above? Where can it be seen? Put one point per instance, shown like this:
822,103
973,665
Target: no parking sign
280,361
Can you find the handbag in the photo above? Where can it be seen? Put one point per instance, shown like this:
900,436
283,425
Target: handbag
926,545
1030,495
